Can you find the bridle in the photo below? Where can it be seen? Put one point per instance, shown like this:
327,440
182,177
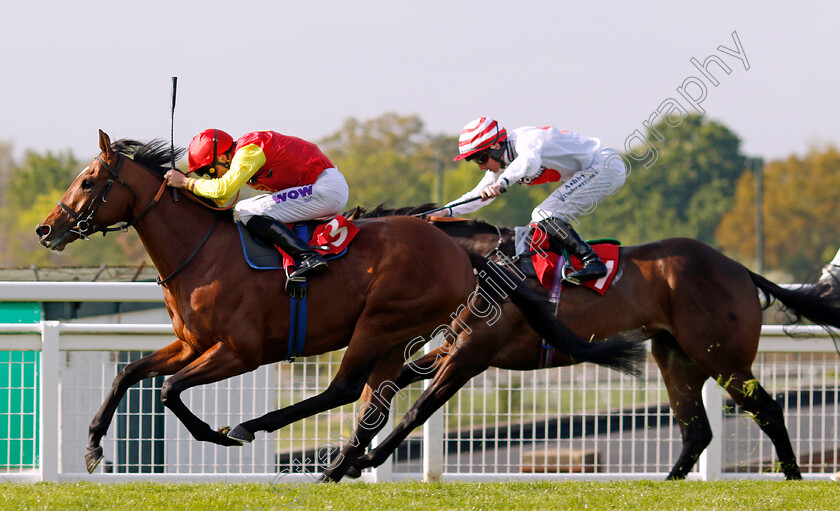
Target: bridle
84,227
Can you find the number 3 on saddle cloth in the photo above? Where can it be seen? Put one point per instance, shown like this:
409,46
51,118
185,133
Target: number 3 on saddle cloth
328,237
551,268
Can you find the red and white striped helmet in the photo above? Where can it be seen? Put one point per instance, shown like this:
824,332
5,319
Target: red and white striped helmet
478,135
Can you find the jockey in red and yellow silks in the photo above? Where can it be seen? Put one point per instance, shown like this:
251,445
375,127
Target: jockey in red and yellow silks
268,161
302,184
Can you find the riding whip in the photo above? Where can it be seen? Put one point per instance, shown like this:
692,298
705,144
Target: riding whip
172,131
465,201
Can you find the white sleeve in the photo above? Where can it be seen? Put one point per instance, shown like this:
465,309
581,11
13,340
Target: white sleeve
527,162
488,179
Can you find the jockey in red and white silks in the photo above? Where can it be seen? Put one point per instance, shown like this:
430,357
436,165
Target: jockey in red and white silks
530,156
590,172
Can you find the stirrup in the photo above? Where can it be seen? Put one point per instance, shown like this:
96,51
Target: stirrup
580,275
309,267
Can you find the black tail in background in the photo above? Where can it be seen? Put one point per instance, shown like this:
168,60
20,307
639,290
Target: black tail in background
623,352
819,303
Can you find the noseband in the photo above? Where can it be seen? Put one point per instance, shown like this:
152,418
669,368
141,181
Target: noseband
84,227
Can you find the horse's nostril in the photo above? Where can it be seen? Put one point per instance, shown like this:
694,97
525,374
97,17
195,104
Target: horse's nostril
42,230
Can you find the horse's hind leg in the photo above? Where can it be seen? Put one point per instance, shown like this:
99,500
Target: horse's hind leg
164,361
767,413
421,368
373,413
684,382
470,355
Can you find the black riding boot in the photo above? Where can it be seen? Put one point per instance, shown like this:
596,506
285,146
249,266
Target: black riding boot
311,262
593,267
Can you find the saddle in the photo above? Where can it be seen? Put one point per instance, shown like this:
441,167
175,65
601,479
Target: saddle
551,268
329,237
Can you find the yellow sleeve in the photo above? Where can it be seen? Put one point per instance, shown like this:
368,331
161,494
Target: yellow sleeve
246,162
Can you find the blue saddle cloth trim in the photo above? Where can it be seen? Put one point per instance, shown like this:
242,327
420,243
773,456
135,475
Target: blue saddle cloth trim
297,312
263,256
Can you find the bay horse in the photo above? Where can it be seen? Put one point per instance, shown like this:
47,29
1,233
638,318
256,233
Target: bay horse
700,309
400,280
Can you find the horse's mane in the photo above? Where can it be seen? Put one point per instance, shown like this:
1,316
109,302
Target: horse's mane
155,155
381,210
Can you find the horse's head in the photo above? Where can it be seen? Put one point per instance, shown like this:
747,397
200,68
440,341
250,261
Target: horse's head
97,199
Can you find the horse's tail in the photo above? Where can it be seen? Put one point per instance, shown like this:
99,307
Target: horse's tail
818,302
623,352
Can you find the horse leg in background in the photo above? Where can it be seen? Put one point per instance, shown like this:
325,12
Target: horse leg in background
767,413
165,361
684,382
720,331
470,356
421,368
373,413
218,363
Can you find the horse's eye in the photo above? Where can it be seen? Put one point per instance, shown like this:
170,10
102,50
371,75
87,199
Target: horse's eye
87,185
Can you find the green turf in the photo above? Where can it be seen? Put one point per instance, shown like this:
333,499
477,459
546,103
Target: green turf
629,495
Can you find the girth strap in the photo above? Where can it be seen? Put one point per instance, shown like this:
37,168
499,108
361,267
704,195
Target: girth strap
297,307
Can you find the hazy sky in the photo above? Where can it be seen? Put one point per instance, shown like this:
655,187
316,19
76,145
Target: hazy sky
303,67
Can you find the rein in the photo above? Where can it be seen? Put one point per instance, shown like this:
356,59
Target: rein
83,227
498,247
162,282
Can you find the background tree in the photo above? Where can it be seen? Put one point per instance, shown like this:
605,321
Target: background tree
393,159
390,158
6,168
32,191
801,218
685,192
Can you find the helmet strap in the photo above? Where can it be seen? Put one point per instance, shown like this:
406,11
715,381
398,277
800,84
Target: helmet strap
215,156
500,153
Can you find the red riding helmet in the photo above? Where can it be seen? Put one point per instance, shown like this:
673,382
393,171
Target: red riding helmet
478,135
206,146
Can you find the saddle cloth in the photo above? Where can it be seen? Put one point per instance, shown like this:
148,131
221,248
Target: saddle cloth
549,266
329,237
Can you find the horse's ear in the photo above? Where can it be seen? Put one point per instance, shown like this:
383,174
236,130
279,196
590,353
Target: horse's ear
354,214
105,145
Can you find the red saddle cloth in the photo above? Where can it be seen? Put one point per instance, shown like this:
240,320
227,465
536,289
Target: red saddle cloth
546,263
330,238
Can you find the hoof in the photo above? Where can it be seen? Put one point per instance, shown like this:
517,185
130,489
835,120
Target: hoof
353,473
92,458
241,434
326,478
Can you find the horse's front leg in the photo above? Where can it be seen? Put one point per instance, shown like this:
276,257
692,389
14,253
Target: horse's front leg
218,363
167,360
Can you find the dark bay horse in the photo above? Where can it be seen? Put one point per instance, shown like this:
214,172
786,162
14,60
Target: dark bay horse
700,308
400,280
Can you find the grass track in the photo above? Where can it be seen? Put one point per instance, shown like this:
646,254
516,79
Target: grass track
624,495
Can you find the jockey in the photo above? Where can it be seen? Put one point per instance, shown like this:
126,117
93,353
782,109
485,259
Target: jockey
529,155
301,182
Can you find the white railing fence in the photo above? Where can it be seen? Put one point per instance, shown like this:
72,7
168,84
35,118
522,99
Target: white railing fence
578,422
